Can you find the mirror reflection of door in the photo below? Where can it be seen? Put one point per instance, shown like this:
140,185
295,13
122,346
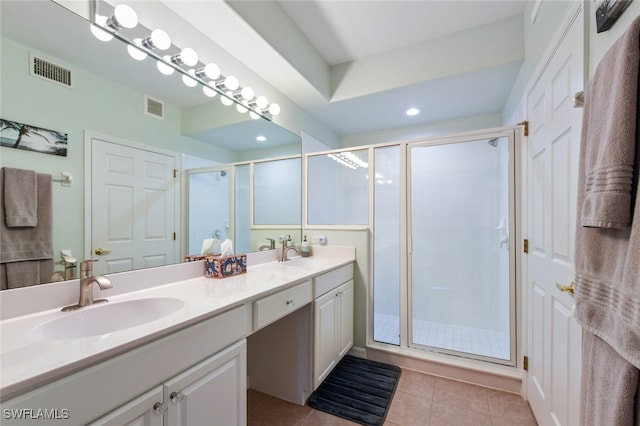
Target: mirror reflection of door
133,220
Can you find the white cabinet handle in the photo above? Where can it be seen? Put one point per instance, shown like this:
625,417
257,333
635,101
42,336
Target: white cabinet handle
160,407
176,397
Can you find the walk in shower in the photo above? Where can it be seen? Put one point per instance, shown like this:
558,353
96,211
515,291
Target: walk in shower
443,270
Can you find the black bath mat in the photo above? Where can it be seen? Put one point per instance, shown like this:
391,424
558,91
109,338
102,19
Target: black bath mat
358,390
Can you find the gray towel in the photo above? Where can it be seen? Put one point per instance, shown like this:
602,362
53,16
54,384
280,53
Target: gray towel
610,386
27,273
607,260
20,197
28,244
609,134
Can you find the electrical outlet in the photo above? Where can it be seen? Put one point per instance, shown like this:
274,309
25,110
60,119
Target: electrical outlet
319,239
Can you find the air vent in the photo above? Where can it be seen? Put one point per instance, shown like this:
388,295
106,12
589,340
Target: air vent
154,107
49,71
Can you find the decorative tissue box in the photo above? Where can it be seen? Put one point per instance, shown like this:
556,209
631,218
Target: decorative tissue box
216,266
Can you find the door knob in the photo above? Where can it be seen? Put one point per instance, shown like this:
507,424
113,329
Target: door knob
100,251
566,288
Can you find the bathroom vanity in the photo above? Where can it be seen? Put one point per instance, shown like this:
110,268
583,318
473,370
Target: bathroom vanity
207,341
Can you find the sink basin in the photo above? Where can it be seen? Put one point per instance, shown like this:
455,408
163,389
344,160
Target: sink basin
106,318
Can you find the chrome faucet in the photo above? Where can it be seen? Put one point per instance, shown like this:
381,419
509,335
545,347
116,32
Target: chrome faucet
87,280
272,243
285,248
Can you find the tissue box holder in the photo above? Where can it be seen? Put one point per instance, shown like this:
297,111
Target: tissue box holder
221,266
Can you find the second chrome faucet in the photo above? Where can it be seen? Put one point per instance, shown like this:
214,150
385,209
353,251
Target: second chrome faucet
286,248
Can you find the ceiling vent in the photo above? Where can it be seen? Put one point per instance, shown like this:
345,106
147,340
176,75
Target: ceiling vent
49,71
153,107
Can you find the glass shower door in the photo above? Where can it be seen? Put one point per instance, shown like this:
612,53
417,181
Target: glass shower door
459,276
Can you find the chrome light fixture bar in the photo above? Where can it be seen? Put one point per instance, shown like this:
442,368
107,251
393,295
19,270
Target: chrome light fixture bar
186,62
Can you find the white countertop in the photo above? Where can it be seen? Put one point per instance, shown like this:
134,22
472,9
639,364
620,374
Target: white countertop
27,360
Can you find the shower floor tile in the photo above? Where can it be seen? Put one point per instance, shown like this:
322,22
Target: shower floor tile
475,341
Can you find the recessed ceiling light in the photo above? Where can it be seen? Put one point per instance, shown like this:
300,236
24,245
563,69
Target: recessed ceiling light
261,138
412,111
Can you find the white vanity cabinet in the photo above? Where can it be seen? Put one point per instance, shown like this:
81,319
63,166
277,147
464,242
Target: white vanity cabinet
333,320
202,367
212,392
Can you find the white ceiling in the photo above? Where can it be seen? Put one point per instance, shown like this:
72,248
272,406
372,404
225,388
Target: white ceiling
351,35
345,31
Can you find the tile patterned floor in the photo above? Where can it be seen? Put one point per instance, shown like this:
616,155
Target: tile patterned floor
458,338
420,400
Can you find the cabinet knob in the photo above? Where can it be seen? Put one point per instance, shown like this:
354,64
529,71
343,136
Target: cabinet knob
160,407
290,302
176,397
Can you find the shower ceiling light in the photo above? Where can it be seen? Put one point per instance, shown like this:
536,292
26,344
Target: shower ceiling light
412,111
261,138
348,159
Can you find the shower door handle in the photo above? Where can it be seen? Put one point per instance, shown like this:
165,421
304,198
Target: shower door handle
566,288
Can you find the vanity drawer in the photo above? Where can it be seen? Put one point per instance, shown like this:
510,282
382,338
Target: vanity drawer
326,282
278,305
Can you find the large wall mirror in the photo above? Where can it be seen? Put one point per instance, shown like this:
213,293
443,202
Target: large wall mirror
113,100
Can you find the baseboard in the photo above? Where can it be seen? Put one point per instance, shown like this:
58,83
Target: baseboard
482,374
358,352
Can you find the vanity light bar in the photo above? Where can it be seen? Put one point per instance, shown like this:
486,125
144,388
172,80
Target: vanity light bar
185,62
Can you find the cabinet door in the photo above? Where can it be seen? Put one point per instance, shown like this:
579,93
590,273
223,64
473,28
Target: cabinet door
211,393
325,336
345,318
145,410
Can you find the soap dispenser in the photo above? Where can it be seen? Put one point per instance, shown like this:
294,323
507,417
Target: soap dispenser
305,248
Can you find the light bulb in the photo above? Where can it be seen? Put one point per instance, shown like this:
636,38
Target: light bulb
212,71
189,81
247,93
241,108
253,115
98,32
274,109
123,17
209,91
187,56
231,83
135,50
227,100
159,39
164,68
261,102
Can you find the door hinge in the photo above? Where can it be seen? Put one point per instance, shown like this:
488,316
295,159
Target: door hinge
174,236
525,245
175,173
525,123
525,363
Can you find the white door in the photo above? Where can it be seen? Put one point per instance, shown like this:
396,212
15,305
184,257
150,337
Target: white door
132,207
554,339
